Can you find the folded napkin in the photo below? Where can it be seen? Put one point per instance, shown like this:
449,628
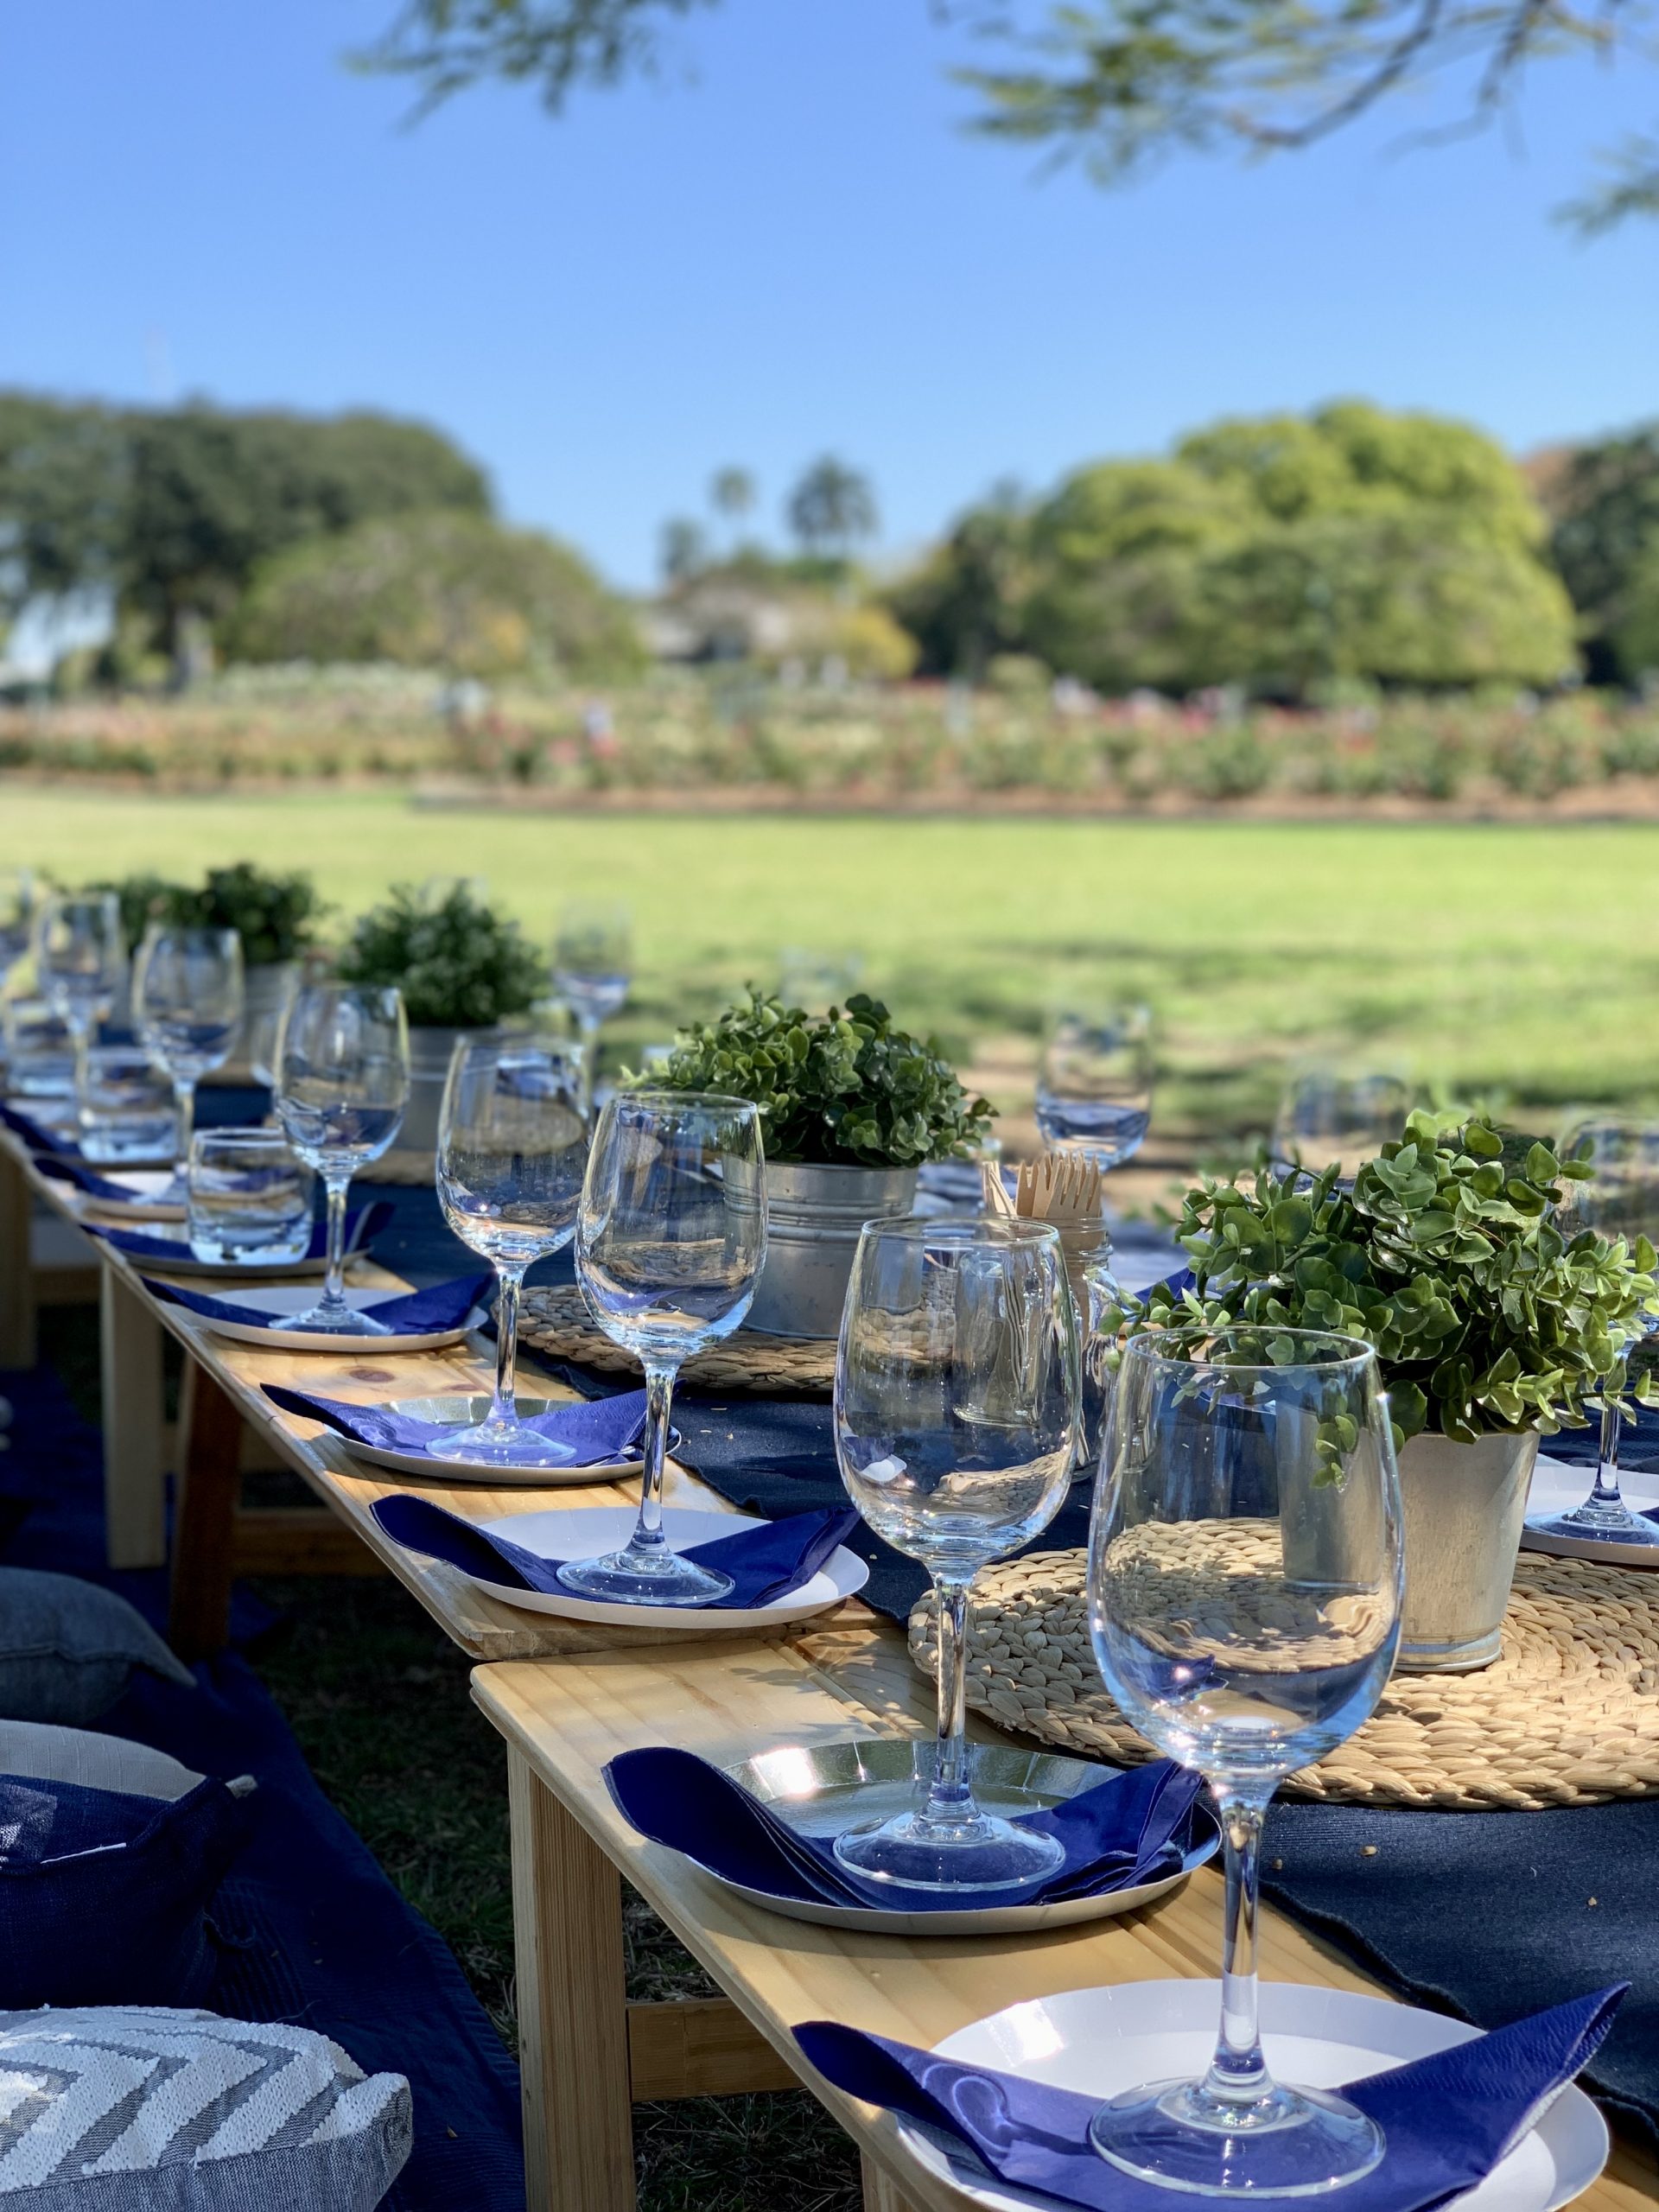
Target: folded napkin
362,1227
57,1167
409,1313
595,1432
1129,1829
764,1563
33,1133
1448,2120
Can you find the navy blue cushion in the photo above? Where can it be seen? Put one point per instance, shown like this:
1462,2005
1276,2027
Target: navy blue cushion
104,1893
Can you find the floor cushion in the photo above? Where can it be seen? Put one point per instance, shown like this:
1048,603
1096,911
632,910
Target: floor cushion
150,2109
110,1854
68,1648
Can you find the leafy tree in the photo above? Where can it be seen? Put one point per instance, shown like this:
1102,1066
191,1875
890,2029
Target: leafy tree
1605,500
962,606
62,493
1119,85
732,494
441,590
832,507
684,550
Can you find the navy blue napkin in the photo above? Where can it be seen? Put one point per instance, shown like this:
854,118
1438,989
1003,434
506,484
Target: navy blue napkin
34,1134
595,1430
1448,2119
764,1563
409,1313
1132,1827
59,1168
362,1227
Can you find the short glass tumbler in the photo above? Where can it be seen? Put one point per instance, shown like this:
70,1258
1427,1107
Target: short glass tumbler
1244,1588
124,1108
248,1199
956,1407
1094,1082
40,1050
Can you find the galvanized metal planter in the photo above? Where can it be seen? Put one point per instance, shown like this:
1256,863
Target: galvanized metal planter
429,1052
1465,1504
813,1217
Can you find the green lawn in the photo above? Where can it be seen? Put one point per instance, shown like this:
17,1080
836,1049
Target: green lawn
1508,959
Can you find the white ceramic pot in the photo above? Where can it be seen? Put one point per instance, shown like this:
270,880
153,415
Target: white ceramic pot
1465,1504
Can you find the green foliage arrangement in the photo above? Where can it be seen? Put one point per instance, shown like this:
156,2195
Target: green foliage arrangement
144,899
274,913
444,590
845,1089
1445,1256
459,963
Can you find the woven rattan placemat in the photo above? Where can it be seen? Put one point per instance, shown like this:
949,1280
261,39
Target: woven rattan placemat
417,1169
555,1320
1568,1716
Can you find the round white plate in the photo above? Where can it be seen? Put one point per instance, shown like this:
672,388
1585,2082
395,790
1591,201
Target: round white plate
279,1301
1557,1487
146,1203
585,1530
464,1470
1100,2041
235,1271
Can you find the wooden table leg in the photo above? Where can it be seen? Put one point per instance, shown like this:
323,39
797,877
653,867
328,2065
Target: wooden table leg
134,1475
204,1530
881,2195
573,2020
17,1341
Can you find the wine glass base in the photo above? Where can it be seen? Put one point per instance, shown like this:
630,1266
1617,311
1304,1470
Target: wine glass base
1600,1525
629,1577
1286,2143
501,1444
324,1321
978,1852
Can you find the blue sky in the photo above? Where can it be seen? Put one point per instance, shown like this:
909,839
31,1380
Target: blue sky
784,247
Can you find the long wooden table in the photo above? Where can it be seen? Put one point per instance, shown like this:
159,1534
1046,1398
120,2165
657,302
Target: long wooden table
567,1697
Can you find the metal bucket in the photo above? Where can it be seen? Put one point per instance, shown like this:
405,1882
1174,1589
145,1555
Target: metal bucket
429,1052
1465,1504
813,1217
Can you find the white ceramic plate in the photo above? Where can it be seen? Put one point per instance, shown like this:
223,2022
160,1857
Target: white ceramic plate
276,1300
584,1531
235,1271
1557,1487
146,1203
1100,2041
463,1412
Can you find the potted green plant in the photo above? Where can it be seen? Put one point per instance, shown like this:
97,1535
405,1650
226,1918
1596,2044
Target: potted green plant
1492,1329
276,917
850,1107
460,965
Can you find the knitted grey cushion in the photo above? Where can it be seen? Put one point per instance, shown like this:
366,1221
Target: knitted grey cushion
66,1648
141,2109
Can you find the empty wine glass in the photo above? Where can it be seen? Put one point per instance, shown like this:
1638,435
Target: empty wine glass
1621,1199
512,1149
593,961
1244,1588
956,1402
16,917
670,1240
1094,1082
1326,1119
79,957
187,1006
341,1085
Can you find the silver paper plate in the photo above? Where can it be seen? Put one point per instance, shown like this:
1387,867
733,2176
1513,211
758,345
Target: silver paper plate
825,1789
464,1411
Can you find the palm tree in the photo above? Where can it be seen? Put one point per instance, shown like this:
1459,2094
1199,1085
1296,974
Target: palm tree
732,494
832,507
683,549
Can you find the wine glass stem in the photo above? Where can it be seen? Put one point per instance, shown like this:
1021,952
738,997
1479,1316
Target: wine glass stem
1238,2072
184,1115
333,1287
505,1411
1606,1497
951,1798
659,1397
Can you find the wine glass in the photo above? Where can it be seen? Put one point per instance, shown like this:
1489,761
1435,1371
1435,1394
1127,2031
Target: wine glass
955,1412
1326,1119
670,1240
593,961
1245,1575
1094,1082
187,1006
341,1085
1621,1199
80,956
512,1148
16,916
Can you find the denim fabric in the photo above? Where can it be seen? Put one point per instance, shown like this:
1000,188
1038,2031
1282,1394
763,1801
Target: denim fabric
68,1648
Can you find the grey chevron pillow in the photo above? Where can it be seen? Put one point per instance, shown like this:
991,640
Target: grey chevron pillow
140,2109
